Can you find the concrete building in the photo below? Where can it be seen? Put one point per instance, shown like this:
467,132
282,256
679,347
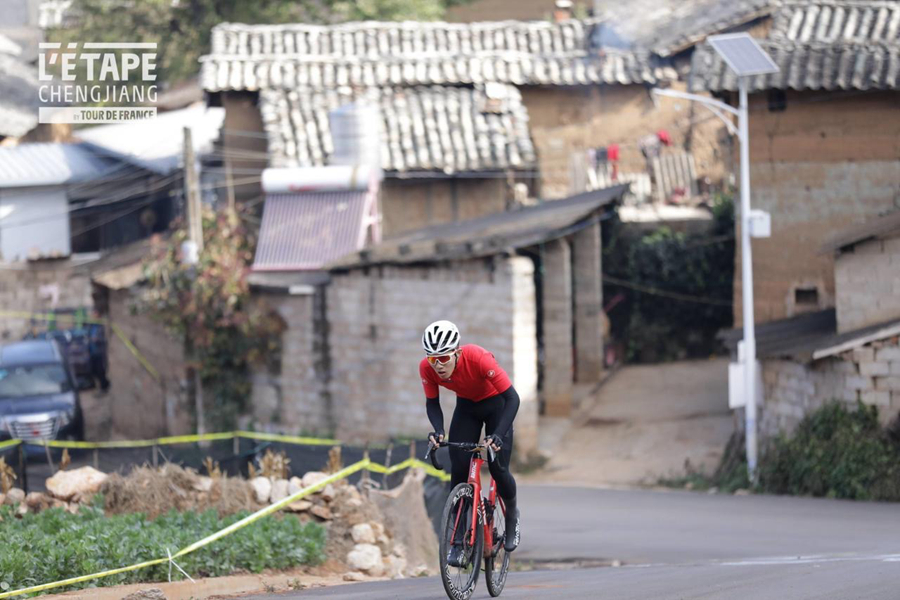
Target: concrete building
525,284
850,353
823,135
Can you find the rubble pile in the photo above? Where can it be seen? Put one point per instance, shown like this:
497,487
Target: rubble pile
359,535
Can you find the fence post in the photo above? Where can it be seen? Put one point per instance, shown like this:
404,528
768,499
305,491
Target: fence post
364,481
49,460
387,463
97,458
23,467
412,449
155,457
236,445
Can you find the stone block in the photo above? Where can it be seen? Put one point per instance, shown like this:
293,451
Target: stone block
887,383
876,398
861,355
888,354
874,369
859,383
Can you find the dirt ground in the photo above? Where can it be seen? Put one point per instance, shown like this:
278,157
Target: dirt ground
642,424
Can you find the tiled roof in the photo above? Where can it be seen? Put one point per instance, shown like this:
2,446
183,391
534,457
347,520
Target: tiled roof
303,231
882,227
820,45
838,21
369,54
806,67
442,128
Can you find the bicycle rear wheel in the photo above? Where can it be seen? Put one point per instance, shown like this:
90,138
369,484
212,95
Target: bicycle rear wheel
496,565
459,582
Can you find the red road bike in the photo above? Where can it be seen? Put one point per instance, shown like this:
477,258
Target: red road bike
478,524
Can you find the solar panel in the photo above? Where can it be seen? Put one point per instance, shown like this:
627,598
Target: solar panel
743,54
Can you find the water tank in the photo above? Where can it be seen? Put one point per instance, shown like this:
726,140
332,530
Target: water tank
356,134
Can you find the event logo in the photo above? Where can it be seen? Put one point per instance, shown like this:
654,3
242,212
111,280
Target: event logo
97,82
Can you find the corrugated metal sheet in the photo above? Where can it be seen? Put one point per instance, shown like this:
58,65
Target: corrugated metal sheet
879,228
448,129
674,171
372,54
305,231
157,144
29,165
486,236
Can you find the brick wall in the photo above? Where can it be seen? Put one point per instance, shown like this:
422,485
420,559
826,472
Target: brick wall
817,167
566,120
792,390
39,287
867,284
407,205
140,406
375,322
588,291
556,290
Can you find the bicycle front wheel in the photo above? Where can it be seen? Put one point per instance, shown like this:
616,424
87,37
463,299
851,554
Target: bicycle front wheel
496,564
460,579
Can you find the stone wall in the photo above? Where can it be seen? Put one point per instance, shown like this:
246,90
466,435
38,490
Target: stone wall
817,167
556,294
140,406
867,284
292,396
376,317
870,374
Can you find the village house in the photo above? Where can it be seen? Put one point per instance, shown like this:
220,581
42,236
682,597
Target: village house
823,141
848,353
476,118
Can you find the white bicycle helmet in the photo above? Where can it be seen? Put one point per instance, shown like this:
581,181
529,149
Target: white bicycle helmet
441,337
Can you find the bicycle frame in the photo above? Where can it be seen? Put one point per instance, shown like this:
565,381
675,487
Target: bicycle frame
475,466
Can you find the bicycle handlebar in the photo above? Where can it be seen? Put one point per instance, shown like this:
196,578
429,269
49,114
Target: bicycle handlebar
469,446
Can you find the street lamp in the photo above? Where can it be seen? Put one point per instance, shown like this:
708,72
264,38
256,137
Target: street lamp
744,56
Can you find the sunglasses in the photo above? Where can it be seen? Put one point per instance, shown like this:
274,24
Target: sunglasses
439,359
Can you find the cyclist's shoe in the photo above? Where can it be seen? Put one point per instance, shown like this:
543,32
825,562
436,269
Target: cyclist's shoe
512,532
456,556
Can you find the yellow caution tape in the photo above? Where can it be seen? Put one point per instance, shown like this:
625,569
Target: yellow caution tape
9,444
137,354
65,317
248,520
289,439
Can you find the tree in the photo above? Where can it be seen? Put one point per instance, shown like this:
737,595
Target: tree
209,308
182,28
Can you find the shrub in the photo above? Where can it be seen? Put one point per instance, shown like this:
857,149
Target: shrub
54,545
836,453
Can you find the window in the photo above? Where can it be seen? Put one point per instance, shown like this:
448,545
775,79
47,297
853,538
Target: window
806,297
777,100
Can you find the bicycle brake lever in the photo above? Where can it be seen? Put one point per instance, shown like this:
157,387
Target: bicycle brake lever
491,454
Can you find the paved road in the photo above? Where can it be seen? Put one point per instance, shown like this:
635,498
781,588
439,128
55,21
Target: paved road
687,545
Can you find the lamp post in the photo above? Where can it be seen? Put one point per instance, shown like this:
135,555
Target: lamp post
744,56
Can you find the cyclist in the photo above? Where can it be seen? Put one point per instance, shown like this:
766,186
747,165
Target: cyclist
484,397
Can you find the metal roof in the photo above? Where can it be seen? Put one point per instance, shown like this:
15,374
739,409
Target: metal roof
809,337
879,228
494,234
28,165
373,54
157,144
449,129
305,231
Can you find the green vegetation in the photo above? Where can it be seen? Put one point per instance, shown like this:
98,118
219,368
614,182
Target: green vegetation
183,29
676,288
53,545
835,452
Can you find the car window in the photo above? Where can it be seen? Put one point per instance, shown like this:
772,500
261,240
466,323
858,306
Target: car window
33,380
